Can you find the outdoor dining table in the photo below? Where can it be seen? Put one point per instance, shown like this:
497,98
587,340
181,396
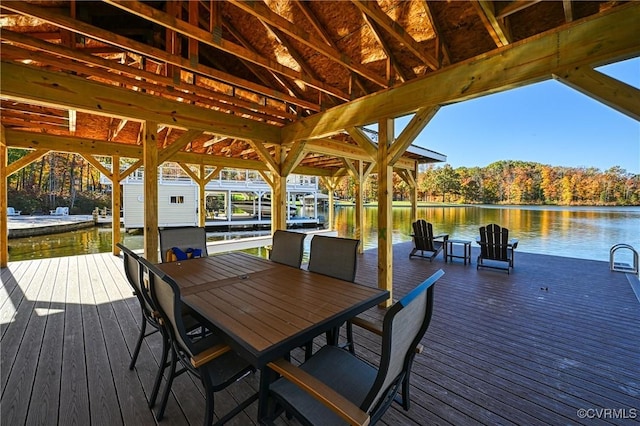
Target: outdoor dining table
266,309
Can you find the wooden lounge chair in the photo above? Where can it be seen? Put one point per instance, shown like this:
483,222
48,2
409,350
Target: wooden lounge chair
186,239
496,247
425,242
60,211
336,387
287,248
210,359
13,212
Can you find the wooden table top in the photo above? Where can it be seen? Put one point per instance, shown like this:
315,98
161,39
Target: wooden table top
266,308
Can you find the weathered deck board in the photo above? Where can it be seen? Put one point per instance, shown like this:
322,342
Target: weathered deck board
533,347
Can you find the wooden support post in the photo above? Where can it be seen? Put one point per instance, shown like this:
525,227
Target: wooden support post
150,156
360,206
385,217
202,202
4,227
414,193
279,203
115,204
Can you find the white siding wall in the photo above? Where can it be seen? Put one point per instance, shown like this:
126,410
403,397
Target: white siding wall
169,214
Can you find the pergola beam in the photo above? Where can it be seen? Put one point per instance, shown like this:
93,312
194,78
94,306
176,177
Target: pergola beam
213,40
620,96
147,51
66,91
262,12
595,41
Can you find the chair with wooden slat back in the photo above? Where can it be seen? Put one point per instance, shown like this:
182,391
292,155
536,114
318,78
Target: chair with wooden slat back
287,248
495,246
188,239
337,258
336,387
209,358
425,241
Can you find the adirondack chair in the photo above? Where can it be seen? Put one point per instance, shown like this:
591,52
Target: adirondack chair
496,247
60,211
425,241
13,212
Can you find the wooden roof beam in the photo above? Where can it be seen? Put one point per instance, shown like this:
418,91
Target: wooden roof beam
253,68
265,155
294,157
385,47
441,47
184,140
217,42
84,146
262,12
410,133
66,91
71,144
598,40
308,13
25,160
512,7
130,83
614,93
568,10
495,27
394,29
148,51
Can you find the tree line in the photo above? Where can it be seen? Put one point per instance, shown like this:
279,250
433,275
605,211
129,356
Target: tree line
56,179
515,182
59,179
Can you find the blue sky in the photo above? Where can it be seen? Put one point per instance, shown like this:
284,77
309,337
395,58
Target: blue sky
548,123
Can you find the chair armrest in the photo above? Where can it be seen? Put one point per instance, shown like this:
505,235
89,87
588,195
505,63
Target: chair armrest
209,354
444,237
323,393
367,325
513,242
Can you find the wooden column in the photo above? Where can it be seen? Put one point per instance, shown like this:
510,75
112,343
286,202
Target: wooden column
385,218
150,157
202,202
115,204
4,227
279,203
414,193
331,183
360,206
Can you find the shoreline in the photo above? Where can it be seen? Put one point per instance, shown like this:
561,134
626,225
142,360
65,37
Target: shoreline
34,226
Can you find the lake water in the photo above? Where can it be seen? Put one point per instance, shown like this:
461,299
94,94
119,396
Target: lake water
580,232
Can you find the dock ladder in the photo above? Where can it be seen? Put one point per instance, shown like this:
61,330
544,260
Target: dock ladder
622,266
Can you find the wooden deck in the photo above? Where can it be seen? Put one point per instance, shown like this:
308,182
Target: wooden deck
555,337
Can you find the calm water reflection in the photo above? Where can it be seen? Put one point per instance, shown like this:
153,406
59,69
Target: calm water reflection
586,233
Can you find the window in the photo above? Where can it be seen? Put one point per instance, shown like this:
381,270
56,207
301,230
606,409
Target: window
176,199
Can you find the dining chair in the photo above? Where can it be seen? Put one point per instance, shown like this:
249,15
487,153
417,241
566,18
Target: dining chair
188,238
134,271
287,247
209,358
337,258
336,387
